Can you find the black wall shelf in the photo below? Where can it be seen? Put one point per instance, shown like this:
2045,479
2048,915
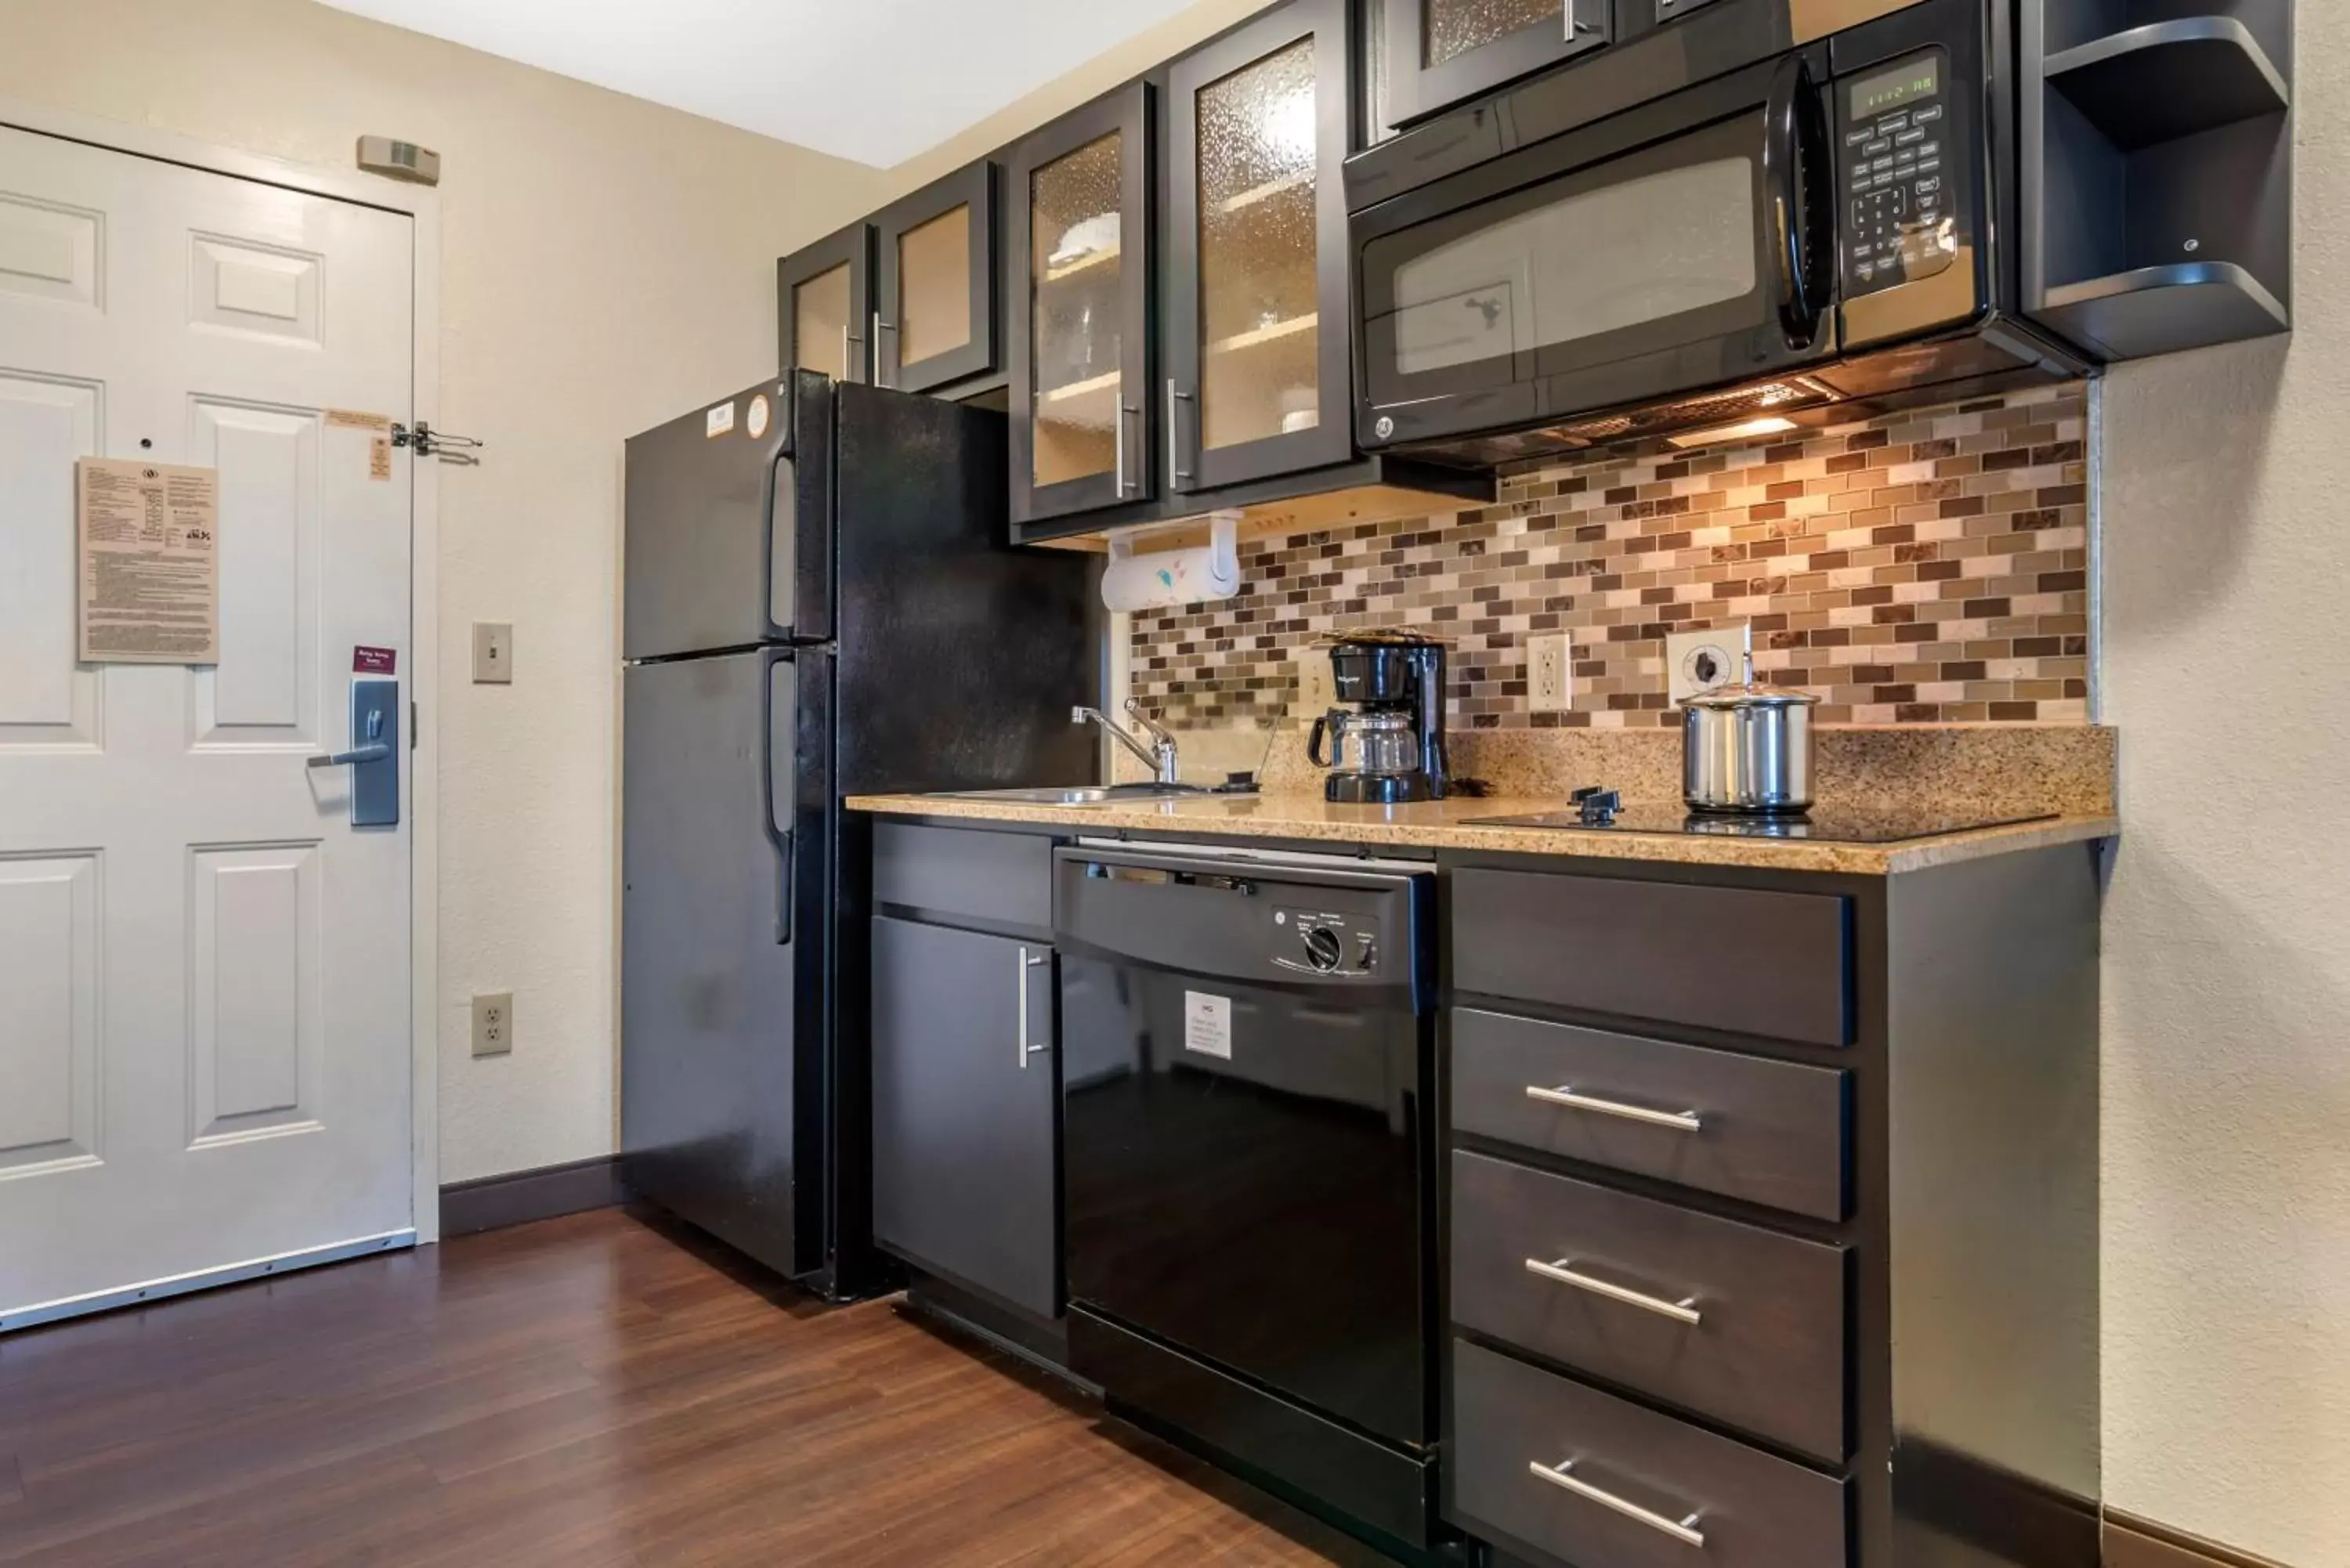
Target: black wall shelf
2158,171
2170,80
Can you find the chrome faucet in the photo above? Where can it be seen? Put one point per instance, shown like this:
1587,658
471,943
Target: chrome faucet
1159,755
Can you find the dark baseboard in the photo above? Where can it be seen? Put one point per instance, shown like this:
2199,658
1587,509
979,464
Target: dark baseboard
495,1202
2133,1542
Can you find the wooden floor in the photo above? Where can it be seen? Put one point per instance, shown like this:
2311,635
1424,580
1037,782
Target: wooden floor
596,1391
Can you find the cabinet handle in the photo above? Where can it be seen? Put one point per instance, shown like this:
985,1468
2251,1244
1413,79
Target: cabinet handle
1684,1312
1560,1476
879,326
1020,1003
1125,410
1175,441
1565,1094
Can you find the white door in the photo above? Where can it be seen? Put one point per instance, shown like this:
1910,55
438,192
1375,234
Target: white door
204,1042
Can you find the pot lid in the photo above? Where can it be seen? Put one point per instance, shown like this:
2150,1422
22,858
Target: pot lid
1750,694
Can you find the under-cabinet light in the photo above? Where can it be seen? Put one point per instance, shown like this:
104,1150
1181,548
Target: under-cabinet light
1774,425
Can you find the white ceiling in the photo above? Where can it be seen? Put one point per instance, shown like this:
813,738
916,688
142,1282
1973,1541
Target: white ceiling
873,81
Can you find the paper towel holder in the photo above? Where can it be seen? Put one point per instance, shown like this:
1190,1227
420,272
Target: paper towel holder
1224,539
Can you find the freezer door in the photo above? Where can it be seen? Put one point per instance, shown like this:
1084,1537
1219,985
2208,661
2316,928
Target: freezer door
729,524
722,1005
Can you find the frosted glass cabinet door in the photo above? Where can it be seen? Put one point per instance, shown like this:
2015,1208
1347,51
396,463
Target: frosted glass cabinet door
823,301
1442,52
1257,268
935,298
1081,424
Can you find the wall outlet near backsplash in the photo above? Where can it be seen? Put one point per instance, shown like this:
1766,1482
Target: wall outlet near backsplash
1317,690
1929,567
1550,672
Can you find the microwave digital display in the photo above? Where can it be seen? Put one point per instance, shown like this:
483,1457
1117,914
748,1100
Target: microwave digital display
1888,90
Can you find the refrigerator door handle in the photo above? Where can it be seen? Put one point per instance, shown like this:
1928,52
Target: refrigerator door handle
773,808
785,845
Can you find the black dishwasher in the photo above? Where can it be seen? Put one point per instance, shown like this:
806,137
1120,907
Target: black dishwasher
1249,1141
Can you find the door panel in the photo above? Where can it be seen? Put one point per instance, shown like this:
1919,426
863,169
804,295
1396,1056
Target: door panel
936,299
187,902
717,552
966,1169
824,299
266,683
1082,423
48,993
710,1103
45,698
255,1013
1257,290
1439,53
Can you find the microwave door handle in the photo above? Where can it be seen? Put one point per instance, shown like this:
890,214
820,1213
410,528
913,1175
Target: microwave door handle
1797,206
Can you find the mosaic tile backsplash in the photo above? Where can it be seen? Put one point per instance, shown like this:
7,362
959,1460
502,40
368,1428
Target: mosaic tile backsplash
1926,568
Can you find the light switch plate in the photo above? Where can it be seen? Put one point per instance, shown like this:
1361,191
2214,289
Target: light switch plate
1699,661
1550,672
492,653
494,1023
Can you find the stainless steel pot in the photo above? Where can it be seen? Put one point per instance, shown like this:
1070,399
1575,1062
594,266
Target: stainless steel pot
1747,748
1380,743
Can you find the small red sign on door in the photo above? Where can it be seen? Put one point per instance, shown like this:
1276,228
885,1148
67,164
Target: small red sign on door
375,661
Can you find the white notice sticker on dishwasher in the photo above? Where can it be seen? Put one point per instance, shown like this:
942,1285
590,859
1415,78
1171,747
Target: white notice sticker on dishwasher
1208,1024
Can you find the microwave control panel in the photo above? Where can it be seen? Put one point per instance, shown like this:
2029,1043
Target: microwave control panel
1899,151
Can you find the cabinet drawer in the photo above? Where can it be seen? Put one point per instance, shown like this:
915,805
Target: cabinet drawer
1736,959
1751,1508
1610,1284
997,878
1768,1132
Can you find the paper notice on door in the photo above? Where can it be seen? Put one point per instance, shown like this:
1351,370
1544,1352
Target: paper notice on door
380,460
150,584
355,419
1208,1024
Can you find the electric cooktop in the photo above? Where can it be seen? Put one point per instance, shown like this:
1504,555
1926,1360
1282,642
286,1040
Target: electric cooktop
1822,825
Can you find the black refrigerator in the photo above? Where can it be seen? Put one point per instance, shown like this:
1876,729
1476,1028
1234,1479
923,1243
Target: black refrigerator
821,601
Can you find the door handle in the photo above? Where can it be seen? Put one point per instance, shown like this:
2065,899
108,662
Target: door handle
1020,993
374,755
879,364
1175,442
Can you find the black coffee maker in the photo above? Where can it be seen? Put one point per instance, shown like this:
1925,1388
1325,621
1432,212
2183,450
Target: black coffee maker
1388,747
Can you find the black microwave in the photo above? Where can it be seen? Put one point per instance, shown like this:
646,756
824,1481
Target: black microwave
1733,217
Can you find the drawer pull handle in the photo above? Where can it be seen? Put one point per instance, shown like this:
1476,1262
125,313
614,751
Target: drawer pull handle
1559,1476
1564,1273
1679,1121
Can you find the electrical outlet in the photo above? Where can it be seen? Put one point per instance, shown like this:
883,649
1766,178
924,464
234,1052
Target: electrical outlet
1550,672
492,653
1699,661
1317,693
494,1023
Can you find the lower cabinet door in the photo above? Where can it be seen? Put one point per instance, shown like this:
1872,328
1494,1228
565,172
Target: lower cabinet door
965,1109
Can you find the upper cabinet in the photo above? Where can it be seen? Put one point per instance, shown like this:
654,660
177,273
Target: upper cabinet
1081,318
1256,298
823,297
907,298
935,295
1437,52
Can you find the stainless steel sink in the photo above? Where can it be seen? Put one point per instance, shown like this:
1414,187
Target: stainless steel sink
1083,795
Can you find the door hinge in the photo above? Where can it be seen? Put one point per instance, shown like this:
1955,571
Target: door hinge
429,442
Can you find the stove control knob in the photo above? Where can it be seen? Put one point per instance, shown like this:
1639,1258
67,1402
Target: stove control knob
1323,949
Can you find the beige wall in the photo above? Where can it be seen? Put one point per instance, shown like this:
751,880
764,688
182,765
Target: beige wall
605,264
1138,54
2227,1127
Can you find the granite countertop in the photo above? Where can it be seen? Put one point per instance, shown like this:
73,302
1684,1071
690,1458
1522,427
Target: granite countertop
1444,824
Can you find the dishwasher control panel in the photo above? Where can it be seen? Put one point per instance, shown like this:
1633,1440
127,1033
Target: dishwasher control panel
1325,942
